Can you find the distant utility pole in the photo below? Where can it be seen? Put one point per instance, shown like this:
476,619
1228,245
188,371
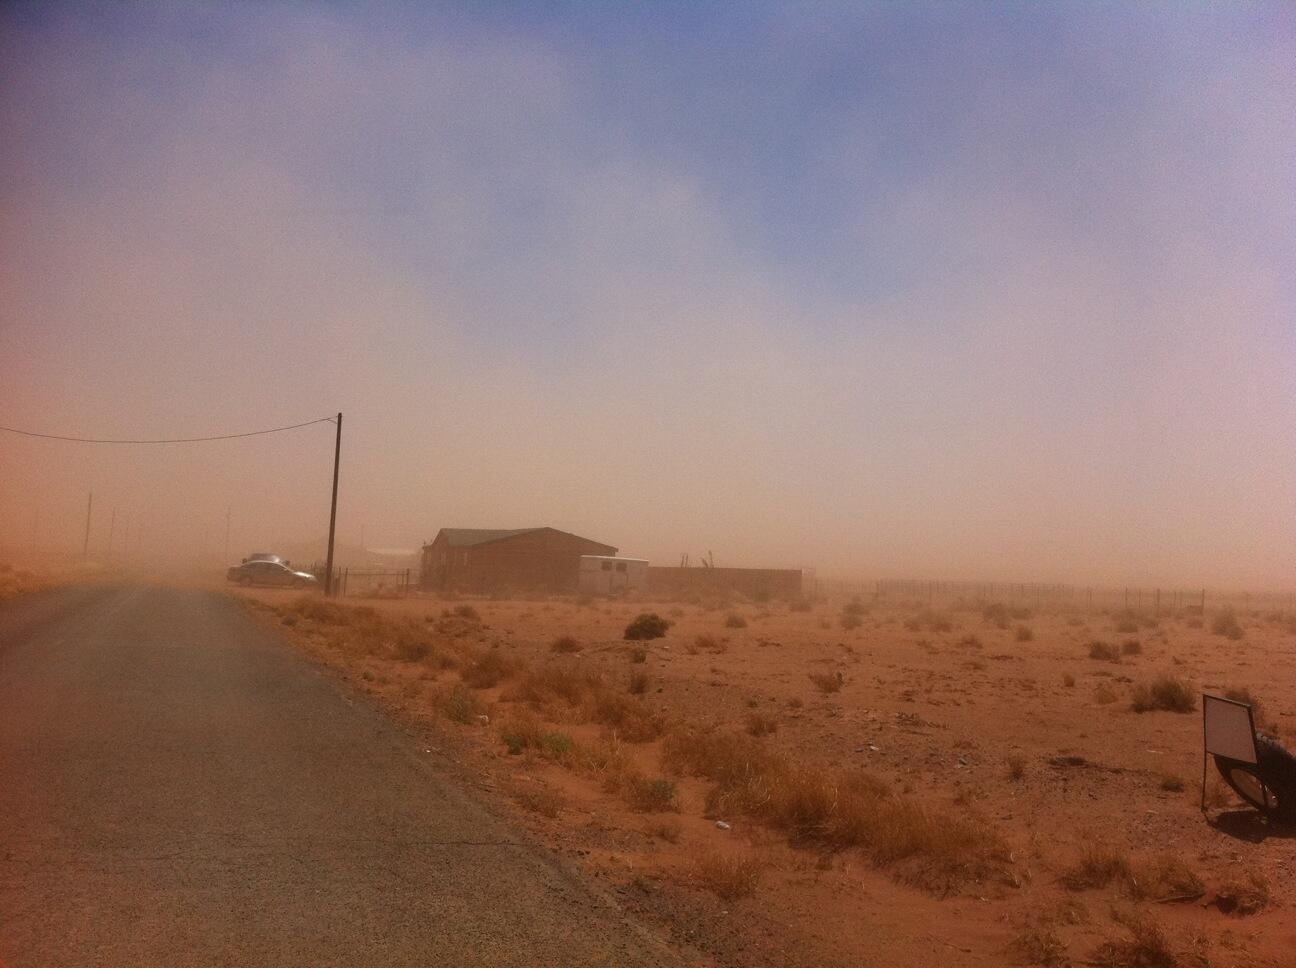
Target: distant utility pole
85,548
227,523
337,457
112,524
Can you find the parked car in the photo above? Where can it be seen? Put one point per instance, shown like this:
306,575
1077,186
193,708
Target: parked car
274,573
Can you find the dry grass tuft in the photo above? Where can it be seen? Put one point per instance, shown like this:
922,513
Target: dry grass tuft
761,724
835,808
735,621
1244,897
646,625
1040,945
1104,652
1097,867
709,643
565,645
650,795
1016,769
1131,647
1024,634
1147,947
487,669
1068,680
729,875
1167,693
1167,878
827,682
1225,623
638,683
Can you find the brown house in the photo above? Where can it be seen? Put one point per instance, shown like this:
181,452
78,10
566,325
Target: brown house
483,560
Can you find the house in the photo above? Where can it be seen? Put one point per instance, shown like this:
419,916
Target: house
484,560
606,575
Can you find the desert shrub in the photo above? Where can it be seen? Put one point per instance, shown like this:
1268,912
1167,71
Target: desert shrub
638,654
1131,647
542,801
827,682
970,642
1104,652
836,808
735,621
709,643
467,612
411,648
855,607
565,644
1165,692
1068,680
638,683
667,829
849,622
1146,947
460,706
1126,623
1225,623
728,875
486,670
1244,897
647,625
1024,633
650,795
761,724
1096,867
1040,945
1166,877
1172,784
996,614
1104,694
1016,769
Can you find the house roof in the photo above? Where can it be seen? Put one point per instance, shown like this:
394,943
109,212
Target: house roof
471,537
467,537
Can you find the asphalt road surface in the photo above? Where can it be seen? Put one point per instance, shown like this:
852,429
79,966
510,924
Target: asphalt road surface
179,787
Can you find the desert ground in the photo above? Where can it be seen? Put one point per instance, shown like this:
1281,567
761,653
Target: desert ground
848,781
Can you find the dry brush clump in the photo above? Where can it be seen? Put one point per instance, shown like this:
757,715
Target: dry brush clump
827,682
1225,623
1146,947
571,691
1164,693
816,805
565,645
646,625
728,874
1104,652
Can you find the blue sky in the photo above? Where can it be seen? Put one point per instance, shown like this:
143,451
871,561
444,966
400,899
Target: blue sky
974,288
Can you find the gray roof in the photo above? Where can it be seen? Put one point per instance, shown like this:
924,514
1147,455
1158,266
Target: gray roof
467,537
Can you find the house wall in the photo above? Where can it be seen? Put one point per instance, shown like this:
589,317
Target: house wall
546,559
774,582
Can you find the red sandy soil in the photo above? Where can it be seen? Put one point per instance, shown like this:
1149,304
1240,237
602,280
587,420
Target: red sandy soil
986,728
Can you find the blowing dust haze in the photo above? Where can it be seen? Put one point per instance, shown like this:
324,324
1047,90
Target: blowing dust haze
960,292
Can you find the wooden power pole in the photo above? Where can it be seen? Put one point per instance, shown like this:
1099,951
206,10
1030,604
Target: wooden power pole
337,456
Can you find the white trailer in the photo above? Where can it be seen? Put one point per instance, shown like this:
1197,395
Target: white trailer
605,575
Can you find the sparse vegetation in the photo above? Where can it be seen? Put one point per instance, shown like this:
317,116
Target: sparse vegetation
1040,945
1104,652
638,683
1146,947
467,612
647,625
735,621
650,795
1024,633
1164,693
1131,647
1096,867
1016,769
1068,680
761,724
729,875
827,682
1225,623
486,670
565,644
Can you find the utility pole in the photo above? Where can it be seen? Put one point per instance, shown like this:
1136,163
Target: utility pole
112,523
85,548
227,523
337,457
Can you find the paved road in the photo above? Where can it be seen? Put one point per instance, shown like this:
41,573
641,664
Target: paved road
177,787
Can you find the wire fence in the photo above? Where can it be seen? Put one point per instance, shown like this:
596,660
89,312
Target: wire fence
1041,594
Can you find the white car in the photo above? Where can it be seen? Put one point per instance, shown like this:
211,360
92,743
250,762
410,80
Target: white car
274,573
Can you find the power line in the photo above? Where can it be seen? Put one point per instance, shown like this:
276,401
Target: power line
169,440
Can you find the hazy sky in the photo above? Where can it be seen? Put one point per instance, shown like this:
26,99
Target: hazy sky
905,290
